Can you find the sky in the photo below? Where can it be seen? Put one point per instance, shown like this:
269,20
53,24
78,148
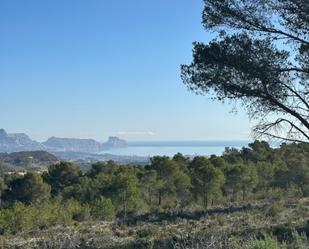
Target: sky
95,68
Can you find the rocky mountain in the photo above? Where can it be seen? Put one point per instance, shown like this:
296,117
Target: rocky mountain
114,142
72,145
17,142
21,142
82,145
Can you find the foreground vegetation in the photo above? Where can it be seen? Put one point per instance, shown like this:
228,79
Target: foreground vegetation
256,195
281,224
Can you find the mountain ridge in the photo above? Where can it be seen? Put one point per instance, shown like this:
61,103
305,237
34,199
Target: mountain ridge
16,142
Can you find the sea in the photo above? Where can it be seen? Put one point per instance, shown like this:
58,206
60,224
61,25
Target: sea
170,148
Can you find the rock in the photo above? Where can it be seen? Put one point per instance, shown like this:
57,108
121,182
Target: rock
72,144
17,142
114,142
21,142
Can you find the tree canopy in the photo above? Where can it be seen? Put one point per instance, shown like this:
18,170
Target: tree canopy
260,58
108,191
29,189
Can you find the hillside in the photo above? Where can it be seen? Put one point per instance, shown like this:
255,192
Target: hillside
253,198
26,160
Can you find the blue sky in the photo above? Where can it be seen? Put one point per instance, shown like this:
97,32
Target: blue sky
94,68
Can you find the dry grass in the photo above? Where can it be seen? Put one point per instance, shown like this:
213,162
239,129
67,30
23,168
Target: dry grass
210,231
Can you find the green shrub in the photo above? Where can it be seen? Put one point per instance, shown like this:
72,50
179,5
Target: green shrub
103,209
17,219
82,214
222,220
305,190
144,243
23,218
299,241
149,231
267,243
274,210
272,194
293,191
302,210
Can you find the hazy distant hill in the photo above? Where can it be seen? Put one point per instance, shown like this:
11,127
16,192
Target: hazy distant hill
21,142
114,142
26,160
82,145
17,142
72,144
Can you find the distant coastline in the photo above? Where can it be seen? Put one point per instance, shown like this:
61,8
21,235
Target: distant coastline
170,148
193,143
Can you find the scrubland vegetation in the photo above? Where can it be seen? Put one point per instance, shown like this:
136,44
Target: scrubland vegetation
256,197
253,198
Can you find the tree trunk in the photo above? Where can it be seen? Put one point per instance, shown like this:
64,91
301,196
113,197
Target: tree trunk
125,204
205,201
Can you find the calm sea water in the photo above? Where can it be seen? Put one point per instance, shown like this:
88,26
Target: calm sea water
189,148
